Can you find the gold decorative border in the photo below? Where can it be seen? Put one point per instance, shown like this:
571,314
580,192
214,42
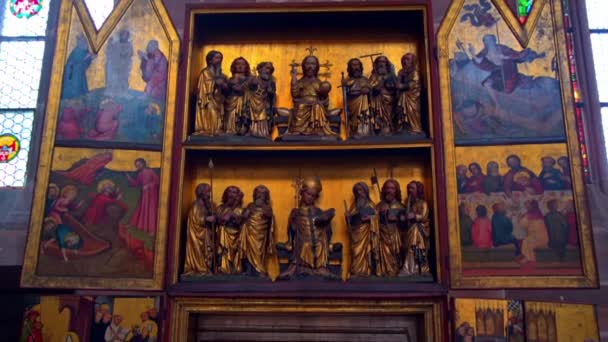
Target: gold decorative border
175,256
589,277
29,278
182,308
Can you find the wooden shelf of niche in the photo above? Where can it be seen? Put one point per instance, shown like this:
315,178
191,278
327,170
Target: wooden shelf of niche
360,288
267,145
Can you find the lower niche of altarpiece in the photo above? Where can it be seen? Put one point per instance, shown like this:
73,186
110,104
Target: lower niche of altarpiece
348,240
303,327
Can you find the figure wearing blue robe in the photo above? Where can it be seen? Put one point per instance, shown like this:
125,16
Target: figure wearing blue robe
62,233
551,179
75,72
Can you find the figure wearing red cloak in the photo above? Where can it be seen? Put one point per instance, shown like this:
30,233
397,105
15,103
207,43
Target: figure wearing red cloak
154,68
107,195
146,212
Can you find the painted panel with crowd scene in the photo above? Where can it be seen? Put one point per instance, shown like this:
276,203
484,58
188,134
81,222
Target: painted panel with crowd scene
125,319
516,211
484,320
100,218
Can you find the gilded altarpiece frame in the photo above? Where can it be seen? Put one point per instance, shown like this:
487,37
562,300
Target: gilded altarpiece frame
99,137
195,154
487,30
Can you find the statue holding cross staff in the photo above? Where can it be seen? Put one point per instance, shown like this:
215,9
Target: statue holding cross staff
309,116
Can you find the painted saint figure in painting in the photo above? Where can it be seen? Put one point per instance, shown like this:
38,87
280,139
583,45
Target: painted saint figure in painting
383,82
408,101
257,241
557,228
118,64
263,92
533,222
520,178
145,215
364,231
212,86
200,250
357,100
230,217
476,182
75,71
154,71
417,242
392,217
309,234
493,181
310,112
235,106
116,332
73,113
550,177
106,121
31,330
501,61
107,195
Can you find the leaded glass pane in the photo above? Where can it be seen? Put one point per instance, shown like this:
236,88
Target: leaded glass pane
599,41
12,26
13,173
605,125
21,64
597,13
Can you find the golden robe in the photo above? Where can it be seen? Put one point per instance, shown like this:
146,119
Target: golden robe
199,242
235,109
381,106
409,104
311,243
209,105
256,239
309,114
363,241
359,114
417,236
389,242
536,236
229,242
259,112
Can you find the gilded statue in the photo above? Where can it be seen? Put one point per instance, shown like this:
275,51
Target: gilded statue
309,232
383,83
211,90
392,217
417,237
357,100
235,106
263,92
230,217
200,247
408,101
364,230
257,233
309,116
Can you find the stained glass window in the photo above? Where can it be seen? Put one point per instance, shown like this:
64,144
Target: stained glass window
579,107
598,26
523,9
22,44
